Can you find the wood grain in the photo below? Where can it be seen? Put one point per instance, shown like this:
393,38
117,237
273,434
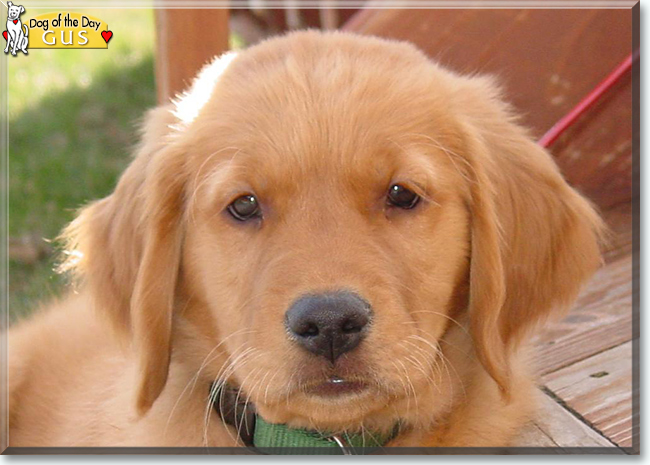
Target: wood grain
554,426
619,222
601,318
600,390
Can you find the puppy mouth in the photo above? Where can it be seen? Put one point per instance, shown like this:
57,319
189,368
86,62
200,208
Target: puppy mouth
336,387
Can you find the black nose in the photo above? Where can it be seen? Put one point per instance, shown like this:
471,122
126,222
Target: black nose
329,324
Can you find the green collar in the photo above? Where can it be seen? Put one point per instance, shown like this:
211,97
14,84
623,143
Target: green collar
280,439
269,438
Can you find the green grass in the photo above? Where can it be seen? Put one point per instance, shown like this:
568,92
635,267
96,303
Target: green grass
72,124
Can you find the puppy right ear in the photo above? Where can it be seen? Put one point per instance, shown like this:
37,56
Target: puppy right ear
9,4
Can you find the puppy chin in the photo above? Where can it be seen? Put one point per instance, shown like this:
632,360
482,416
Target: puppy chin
345,413
331,409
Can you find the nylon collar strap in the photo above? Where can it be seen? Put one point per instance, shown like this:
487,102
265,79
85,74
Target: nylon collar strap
269,438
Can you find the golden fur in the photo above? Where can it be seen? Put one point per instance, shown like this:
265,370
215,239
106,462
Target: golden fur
318,126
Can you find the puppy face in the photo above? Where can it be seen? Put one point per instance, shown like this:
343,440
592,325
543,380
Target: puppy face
315,215
347,201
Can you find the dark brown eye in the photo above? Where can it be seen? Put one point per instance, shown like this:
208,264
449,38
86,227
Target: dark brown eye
244,208
401,197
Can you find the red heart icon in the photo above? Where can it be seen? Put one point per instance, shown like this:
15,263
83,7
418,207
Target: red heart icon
4,34
15,21
107,35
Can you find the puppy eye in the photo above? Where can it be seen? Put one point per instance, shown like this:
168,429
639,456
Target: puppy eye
244,208
400,196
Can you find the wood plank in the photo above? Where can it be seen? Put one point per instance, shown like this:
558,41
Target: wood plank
600,319
595,154
600,390
554,426
619,222
185,44
308,17
533,436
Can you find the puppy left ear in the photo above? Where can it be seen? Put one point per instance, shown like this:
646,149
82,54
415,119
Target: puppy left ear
155,284
127,248
22,9
535,240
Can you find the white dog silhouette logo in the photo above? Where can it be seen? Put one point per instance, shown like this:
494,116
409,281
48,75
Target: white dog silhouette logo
15,35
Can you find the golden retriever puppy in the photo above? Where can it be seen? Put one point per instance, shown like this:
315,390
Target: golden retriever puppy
327,230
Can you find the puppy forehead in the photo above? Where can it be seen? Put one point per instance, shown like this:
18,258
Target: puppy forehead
332,105
314,84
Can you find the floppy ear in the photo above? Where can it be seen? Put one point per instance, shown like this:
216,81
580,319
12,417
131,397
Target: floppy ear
22,9
128,245
127,249
535,240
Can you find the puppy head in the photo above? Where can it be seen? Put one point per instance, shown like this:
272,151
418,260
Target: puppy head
318,211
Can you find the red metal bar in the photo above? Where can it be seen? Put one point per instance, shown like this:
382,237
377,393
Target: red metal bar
586,103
